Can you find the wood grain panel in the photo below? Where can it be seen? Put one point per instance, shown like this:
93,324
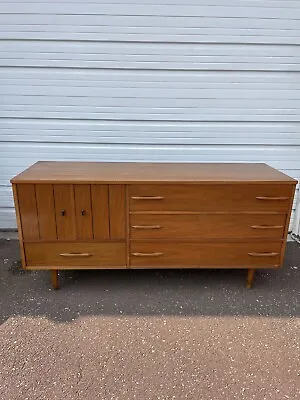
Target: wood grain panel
83,210
83,254
28,211
126,173
210,198
19,225
206,226
117,208
100,209
203,255
286,228
65,211
46,211
175,215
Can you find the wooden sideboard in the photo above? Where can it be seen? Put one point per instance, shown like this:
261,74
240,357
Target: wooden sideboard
83,215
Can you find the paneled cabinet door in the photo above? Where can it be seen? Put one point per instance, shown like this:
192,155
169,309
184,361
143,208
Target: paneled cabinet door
65,211
100,207
28,211
46,214
72,212
83,211
117,212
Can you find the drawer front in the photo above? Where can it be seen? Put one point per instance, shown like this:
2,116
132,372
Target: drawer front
197,255
210,197
75,254
207,226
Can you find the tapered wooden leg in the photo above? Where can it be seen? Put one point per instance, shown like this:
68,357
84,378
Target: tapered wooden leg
250,276
54,278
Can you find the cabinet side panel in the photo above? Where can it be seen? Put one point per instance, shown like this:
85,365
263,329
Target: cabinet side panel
117,207
287,222
46,211
19,225
28,211
100,211
127,226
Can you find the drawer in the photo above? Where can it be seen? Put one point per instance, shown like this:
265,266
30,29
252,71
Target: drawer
207,226
75,254
210,197
202,255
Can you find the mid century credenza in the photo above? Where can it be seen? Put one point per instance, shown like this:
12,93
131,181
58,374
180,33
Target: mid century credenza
83,215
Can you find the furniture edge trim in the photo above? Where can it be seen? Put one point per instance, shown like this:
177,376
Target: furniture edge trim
150,266
207,240
287,223
71,267
16,180
19,225
127,225
192,266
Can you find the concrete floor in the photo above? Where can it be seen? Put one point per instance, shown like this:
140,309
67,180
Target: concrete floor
193,334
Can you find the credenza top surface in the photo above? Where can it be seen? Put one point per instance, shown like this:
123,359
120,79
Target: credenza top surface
98,172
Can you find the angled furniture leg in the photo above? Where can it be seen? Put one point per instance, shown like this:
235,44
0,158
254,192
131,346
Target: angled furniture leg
54,278
250,277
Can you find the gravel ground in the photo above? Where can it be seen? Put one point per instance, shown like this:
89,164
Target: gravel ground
149,334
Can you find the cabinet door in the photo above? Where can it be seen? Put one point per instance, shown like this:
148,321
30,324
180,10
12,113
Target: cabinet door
28,211
83,210
65,211
99,194
117,217
46,211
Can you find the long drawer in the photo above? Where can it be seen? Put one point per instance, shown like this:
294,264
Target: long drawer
206,226
72,254
197,255
254,197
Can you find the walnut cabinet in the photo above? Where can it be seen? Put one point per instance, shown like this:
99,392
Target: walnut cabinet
77,215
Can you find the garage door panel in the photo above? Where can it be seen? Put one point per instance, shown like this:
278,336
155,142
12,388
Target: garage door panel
149,80
157,56
176,10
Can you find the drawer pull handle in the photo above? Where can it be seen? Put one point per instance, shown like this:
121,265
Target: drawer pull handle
147,254
146,226
63,213
147,197
82,212
75,254
263,254
266,226
271,198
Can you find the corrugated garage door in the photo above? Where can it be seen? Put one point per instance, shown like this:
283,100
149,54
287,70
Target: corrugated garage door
149,80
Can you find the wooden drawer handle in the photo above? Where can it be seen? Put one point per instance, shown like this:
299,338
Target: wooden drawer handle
75,254
147,254
147,197
266,226
146,226
263,254
271,198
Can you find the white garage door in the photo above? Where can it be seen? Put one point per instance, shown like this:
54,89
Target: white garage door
148,80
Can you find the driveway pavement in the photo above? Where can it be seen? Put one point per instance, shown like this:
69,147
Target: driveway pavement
193,334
